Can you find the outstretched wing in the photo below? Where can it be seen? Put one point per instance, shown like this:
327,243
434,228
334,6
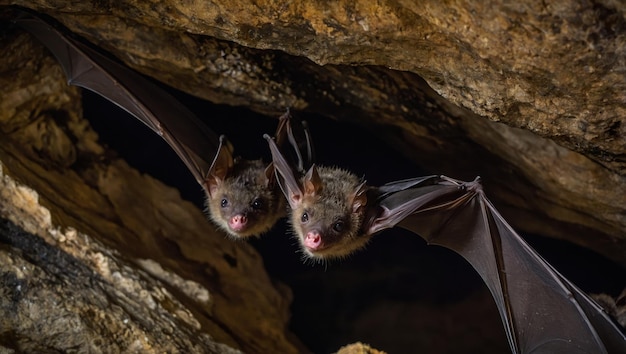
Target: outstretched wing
85,67
541,310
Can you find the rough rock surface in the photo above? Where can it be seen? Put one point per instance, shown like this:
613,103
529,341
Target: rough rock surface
358,348
64,291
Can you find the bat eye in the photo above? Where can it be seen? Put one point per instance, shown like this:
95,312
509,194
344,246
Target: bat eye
305,217
224,203
257,204
338,226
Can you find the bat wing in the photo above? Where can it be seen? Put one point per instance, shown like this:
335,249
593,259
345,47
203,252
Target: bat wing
302,144
301,155
541,310
85,67
405,184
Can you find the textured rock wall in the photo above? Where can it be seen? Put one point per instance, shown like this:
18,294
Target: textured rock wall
64,291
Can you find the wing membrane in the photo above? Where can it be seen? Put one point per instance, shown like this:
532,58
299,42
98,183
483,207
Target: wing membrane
541,310
85,67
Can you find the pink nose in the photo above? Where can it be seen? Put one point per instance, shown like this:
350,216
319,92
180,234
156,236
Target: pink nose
238,222
313,240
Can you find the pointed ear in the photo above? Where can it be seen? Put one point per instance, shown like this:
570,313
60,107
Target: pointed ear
286,179
312,181
270,175
222,164
359,198
212,184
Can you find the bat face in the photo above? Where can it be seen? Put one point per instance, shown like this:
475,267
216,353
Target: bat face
244,203
327,217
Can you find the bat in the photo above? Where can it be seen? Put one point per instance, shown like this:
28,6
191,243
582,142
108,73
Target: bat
242,196
334,213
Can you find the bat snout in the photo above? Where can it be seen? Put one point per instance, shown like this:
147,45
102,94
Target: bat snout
313,240
238,223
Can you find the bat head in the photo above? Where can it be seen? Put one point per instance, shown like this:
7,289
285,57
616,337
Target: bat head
242,201
327,212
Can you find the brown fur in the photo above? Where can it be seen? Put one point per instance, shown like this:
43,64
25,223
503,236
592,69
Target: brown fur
245,182
331,201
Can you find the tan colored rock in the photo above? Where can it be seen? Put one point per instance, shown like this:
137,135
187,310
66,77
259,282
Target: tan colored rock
358,348
64,291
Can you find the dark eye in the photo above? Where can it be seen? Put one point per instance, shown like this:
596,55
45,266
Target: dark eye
224,203
305,217
257,204
338,226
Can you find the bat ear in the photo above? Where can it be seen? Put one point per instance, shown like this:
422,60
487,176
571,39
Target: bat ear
213,183
312,181
222,163
286,179
359,198
270,175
